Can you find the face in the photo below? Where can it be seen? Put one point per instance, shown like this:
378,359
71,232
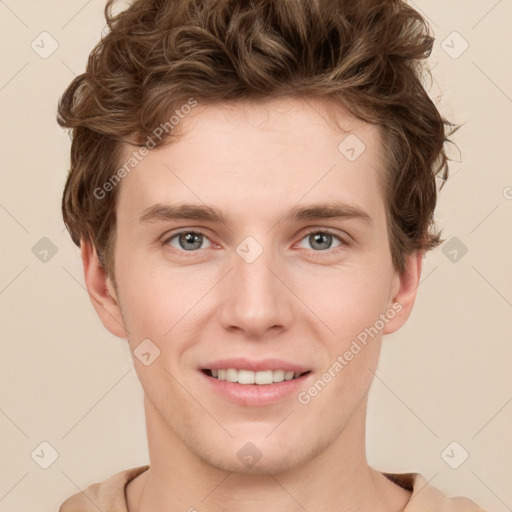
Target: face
277,282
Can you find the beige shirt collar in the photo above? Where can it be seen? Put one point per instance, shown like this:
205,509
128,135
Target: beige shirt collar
110,495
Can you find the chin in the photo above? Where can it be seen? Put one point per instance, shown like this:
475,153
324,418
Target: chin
255,452
269,464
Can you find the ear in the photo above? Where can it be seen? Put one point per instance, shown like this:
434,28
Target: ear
404,288
101,290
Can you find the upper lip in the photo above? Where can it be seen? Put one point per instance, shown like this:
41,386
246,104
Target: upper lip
256,365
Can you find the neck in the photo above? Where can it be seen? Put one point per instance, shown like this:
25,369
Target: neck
336,478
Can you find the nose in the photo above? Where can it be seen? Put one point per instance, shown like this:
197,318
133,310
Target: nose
255,298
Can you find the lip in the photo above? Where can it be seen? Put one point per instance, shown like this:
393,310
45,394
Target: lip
255,366
255,395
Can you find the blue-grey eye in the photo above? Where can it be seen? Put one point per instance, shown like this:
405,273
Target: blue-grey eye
187,240
322,240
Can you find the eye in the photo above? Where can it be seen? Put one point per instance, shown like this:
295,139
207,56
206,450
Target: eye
322,239
188,241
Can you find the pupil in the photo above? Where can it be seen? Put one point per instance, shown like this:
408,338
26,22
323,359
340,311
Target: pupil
188,238
322,238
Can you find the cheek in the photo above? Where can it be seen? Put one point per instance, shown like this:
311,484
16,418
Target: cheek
141,300
351,307
158,301
349,301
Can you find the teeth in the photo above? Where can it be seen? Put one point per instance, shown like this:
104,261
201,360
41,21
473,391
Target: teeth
246,377
231,375
250,377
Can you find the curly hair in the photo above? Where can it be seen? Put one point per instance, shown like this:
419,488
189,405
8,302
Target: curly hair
364,55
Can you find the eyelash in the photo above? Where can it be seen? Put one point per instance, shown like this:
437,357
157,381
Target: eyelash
324,231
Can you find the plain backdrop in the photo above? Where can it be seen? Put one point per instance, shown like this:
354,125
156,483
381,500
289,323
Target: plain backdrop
443,390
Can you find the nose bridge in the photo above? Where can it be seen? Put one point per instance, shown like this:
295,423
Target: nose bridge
254,299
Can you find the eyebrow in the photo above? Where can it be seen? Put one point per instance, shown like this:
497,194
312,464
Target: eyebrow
329,210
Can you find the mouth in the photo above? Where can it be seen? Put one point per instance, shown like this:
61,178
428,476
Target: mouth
255,383
249,377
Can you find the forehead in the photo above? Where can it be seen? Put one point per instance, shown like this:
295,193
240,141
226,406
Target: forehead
272,153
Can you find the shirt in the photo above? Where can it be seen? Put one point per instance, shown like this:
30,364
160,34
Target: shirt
109,496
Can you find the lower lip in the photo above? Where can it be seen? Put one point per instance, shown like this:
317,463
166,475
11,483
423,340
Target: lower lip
255,394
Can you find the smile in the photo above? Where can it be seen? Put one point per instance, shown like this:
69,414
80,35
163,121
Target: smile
242,376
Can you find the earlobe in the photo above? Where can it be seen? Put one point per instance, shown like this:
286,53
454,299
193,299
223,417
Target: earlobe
101,291
406,285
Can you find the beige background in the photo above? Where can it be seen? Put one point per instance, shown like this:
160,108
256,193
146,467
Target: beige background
444,377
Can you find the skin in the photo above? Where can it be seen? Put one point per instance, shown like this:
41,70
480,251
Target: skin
299,300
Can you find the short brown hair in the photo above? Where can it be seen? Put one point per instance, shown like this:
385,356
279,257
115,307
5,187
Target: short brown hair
364,55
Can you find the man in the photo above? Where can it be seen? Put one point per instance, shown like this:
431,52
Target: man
252,187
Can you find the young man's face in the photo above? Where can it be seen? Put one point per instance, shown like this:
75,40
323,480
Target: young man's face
259,286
